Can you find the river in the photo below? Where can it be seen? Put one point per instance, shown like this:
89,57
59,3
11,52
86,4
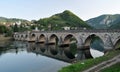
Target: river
20,56
18,59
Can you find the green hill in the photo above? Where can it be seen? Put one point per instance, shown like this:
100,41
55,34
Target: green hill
65,19
115,26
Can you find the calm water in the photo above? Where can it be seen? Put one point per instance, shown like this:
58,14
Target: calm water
19,60
18,57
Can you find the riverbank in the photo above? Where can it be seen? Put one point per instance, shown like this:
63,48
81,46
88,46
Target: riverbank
4,40
113,68
86,64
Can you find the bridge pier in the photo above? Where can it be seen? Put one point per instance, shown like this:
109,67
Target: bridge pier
80,53
108,45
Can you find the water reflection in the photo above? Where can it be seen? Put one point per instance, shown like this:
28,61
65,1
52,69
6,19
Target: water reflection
97,48
96,53
53,49
20,58
68,53
31,57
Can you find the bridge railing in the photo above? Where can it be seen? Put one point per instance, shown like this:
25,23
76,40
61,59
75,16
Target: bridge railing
76,31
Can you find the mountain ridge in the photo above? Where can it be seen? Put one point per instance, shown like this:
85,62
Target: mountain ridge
105,21
5,20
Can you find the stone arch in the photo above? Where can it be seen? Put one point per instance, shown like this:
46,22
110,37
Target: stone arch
53,39
42,38
89,39
89,52
26,36
18,37
22,36
15,36
70,41
67,38
33,37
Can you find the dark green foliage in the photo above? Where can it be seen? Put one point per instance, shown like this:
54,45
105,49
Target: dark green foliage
73,48
19,28
22,28
7,31
15,28
58,21
32,27
3,29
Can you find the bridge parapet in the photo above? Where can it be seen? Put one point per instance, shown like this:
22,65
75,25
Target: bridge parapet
76,31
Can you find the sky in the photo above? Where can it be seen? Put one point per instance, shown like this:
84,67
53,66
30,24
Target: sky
36,9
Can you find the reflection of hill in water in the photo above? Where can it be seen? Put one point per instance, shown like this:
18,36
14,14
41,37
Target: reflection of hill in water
4,41
11,47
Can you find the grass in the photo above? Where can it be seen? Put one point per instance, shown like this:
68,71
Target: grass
82,65
113,68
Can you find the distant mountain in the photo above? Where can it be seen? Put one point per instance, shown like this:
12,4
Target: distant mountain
60,20
11,20
105,21
115,26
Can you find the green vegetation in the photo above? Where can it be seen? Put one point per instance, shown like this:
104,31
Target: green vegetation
58,21
10,25
55,22
113,68
82,65
5,30
115,26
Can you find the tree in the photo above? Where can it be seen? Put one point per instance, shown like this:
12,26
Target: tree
15,28
2,29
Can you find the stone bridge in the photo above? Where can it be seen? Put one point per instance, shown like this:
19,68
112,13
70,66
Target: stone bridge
110,38
82,38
